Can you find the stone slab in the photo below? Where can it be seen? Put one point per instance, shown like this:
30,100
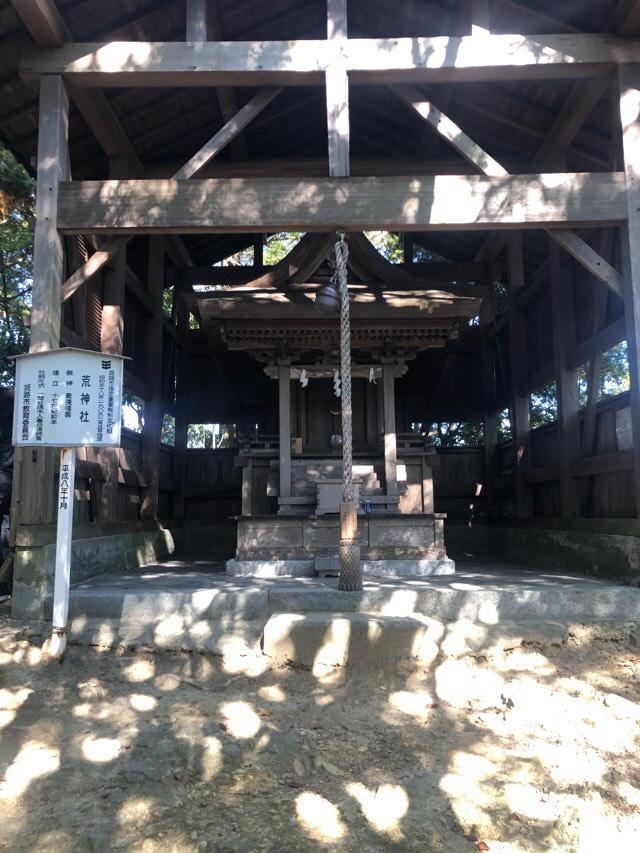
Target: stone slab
324,564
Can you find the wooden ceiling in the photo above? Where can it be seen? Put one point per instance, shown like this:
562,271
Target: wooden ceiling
165,127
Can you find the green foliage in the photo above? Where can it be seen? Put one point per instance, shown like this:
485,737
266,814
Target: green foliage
168,433
449,434
614,377
132,411
279,245
211,436
167,301
16,257
543,406
504,430
388,243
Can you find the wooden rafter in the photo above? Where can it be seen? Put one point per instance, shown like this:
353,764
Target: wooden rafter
231,129
227,133
569,240
48,30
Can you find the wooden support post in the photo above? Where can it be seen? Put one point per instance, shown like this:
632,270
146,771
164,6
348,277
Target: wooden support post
196,25
519,404
337,89
153,410
480,17
427,487
390,443
629,92
566,381
48,253
489,415
33,481
182,408
112,340
284,418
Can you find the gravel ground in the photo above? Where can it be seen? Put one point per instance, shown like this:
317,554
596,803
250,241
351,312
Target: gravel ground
529,749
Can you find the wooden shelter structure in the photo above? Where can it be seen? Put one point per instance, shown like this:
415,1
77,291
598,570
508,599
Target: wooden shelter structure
499,139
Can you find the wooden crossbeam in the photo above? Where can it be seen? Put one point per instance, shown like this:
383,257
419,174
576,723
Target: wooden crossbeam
48,29
227,133
411,60
231,129
569,240
441,203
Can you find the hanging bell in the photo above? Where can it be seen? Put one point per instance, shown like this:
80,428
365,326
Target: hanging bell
328,298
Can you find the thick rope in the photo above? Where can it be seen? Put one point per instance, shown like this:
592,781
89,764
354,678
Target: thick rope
342,255
350,578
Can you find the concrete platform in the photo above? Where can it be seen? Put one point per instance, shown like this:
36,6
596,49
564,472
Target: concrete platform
195,606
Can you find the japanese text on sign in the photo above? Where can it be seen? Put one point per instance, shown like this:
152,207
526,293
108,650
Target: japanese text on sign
67,398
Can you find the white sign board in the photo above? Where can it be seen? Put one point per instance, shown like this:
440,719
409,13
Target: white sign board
68,398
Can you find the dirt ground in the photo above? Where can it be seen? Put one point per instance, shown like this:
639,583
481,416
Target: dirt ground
529,749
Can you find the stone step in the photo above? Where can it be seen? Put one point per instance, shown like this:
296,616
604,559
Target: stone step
448,604
136,606
318,641
225,635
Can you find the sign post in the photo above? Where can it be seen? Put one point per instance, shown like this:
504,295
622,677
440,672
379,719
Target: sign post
66,398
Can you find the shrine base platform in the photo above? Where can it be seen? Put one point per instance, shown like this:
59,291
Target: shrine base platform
392,545
195,606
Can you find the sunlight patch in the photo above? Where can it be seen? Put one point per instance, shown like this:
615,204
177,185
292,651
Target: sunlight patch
33,761
100,750
142,702
414,704
319,818
383,808
212,758
272,693
241,720
140,670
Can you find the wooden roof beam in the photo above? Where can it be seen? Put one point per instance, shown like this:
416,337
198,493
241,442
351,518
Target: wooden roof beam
411,60
48,29
44,22
203,25
102,257
625,18
463,143
441,203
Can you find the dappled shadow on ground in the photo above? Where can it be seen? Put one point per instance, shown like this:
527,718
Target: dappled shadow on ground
525,748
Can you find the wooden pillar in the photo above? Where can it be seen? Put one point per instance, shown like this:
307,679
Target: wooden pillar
48,254
153,408
519,405
629,92
182,408
427,487
196,28
489,414
480,17
112,340
33,490
566,381
284,418
390,444
337,90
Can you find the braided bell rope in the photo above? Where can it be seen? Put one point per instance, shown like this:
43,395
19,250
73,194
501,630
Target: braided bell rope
342,255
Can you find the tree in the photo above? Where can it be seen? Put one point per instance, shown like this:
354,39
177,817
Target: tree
16,257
